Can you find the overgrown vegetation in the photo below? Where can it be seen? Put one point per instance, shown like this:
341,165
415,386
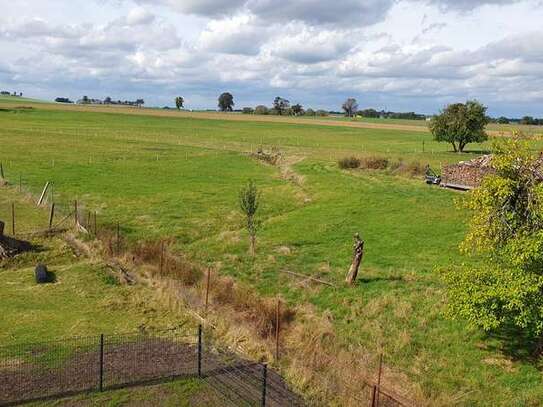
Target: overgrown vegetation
373,162
506,230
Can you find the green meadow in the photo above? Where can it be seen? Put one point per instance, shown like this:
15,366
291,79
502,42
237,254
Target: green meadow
179,178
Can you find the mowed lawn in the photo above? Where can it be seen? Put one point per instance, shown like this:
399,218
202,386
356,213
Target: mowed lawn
179,178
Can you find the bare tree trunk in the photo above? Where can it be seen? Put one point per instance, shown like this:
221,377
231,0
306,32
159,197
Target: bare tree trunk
252,238
358,253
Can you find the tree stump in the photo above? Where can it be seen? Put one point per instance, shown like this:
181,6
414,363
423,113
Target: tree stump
358,253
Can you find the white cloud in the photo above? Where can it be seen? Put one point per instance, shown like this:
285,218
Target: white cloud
412,54
139,16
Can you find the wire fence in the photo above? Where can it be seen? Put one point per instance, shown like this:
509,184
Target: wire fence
54,369
37,371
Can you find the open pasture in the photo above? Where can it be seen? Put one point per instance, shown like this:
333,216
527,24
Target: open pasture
177,176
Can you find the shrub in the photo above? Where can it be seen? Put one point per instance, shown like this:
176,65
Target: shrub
247,110
349,162
375,163
261,109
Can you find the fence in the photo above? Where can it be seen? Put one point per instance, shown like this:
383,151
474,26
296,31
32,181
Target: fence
231,376
54,369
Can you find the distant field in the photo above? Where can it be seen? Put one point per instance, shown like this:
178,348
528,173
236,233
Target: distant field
170,174
334,120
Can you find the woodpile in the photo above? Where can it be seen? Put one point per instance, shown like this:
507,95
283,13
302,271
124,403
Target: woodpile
467,174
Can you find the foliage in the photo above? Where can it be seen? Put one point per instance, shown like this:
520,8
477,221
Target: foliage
322,113
309,112
249,201
350,106
226,102
506,230
247,110
349,162
261,109
179,102
460,124
280,105
297,109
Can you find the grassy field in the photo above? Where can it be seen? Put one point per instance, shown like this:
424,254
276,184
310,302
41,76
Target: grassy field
178,177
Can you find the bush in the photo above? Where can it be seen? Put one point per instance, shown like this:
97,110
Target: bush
261,109
375,163
349,162
322,113
247,110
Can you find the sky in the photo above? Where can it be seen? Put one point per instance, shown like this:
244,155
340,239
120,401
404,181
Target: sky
399,55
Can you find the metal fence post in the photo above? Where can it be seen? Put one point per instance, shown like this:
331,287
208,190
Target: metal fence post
374,401
101,387
264,384
200,351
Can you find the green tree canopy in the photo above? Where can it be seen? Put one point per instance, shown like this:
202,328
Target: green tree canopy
460,124
179,102
505,289
226,102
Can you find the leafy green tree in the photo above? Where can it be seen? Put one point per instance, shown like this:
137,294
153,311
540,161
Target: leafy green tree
281,105
261,109
226,102
179,102
503,120
297,109
460,124
505,289
249,201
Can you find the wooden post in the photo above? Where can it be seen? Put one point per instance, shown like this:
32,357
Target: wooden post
95,225
1,170
358,253
207,290
43,193
277,328
51,216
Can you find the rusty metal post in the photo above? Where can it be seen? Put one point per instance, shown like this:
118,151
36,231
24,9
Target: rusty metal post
207,290
13,218
277,328
51,216
379,378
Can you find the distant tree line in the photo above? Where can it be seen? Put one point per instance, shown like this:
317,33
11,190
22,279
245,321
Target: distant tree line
7,93
524,120
85,100
63,100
